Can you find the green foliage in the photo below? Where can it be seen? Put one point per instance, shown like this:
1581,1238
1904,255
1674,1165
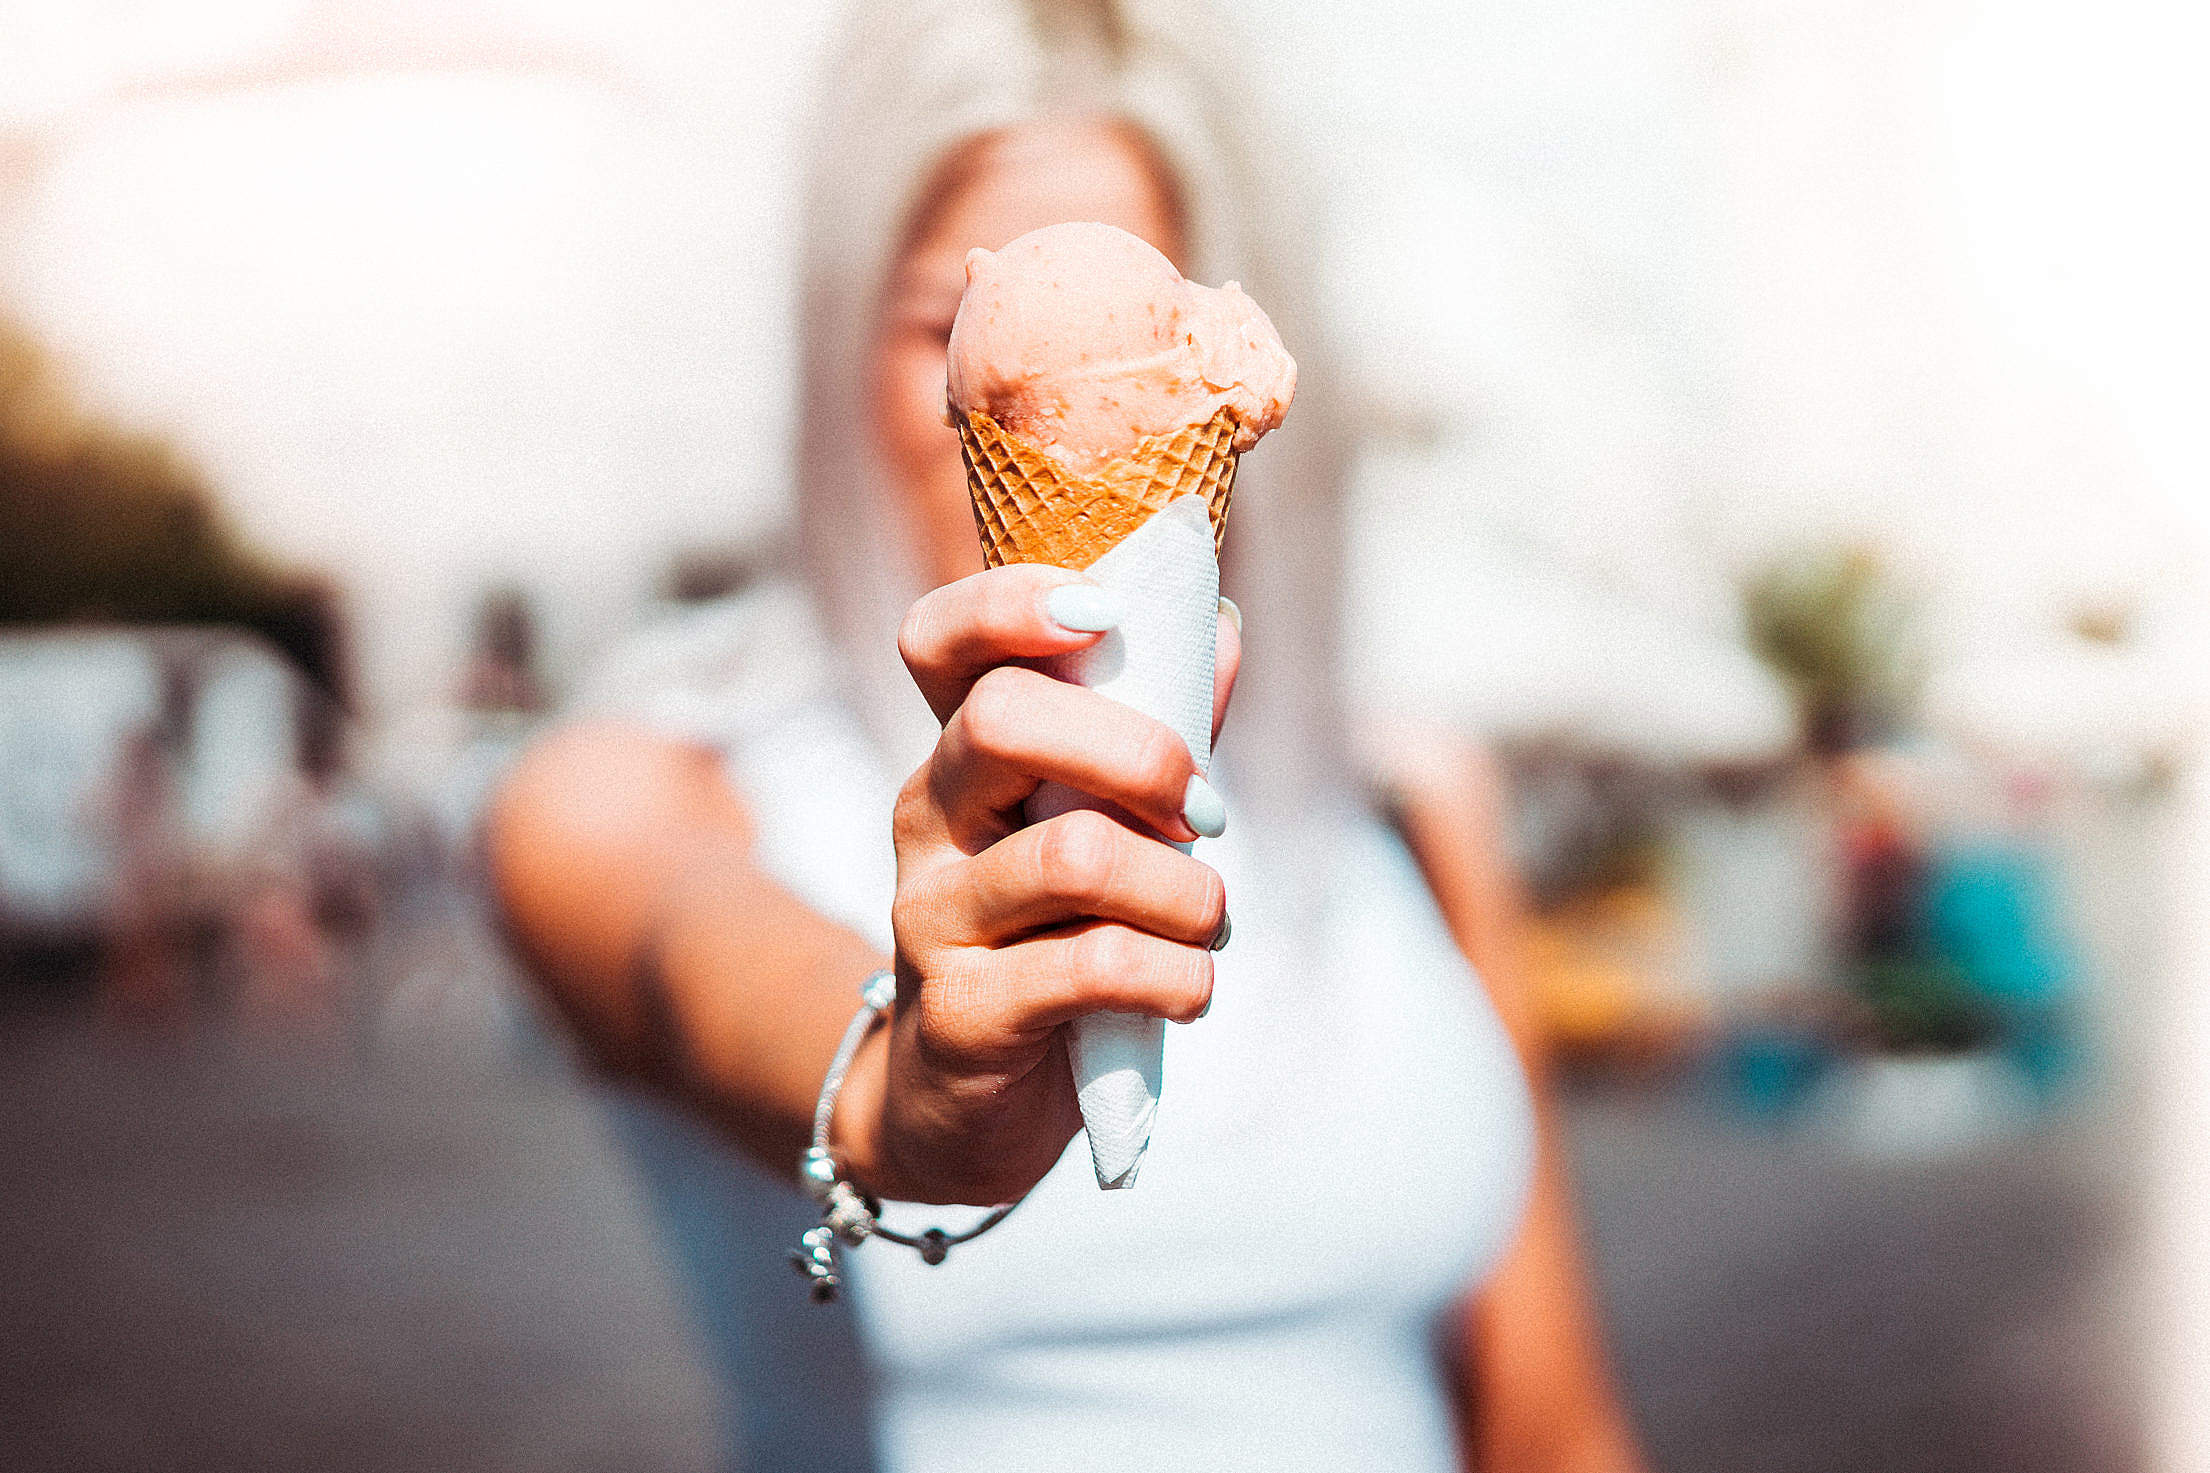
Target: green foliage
1922,1003
100,526
1833,625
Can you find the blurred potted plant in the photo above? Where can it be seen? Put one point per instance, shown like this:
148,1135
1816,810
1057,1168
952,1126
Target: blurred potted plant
1841,632
1833,625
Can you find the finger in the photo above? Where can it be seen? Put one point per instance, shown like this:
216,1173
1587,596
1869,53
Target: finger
1019,729
1075,867
1104,967
1011,995
1227,662
1023,611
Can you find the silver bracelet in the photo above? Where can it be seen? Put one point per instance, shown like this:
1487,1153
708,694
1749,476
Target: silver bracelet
848,1212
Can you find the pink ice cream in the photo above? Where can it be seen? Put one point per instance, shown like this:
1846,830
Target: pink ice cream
1082,340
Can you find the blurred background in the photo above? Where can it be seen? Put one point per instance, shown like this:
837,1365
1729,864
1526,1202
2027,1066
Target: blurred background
1782,449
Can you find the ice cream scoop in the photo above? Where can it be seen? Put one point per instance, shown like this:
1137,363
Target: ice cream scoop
1102,403
1083,341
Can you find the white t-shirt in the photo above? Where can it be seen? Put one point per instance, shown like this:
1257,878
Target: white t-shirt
1342,1148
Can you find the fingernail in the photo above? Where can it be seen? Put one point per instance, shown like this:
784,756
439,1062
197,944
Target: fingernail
1202,809
1083,607
1227,929
1206,1008
1231,613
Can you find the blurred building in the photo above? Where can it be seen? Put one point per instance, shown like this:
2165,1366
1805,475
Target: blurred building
1641,296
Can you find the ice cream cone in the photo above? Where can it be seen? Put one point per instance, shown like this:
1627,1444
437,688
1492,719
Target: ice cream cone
1139,526
1102,399
1031,509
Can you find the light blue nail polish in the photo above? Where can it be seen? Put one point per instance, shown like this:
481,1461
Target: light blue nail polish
1202,809
1227,929
1231,613
1083,607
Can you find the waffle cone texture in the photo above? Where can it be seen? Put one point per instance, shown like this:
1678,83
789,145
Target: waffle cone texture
1031,509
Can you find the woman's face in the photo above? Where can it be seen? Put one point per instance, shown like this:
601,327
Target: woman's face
1028,177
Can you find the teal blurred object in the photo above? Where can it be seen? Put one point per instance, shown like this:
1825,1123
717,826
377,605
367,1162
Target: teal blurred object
1768,1071
1991,914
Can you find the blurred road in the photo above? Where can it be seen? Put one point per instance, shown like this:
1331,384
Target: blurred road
1778,1302
216,1257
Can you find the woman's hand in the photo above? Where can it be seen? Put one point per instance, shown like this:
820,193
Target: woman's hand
1004,932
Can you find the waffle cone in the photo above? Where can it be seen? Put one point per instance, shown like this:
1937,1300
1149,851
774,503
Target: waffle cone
1031,509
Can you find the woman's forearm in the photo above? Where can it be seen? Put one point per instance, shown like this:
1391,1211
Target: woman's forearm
756,988
623,867
1539,1392
1537,1389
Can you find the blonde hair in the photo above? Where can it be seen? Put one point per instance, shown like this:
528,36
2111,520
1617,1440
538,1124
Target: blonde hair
917,80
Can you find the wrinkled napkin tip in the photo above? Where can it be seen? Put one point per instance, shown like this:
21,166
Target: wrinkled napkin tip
1112,1178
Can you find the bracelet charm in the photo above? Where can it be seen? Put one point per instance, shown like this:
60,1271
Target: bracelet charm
848,1213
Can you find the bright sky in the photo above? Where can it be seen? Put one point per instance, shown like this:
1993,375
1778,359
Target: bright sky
2082,133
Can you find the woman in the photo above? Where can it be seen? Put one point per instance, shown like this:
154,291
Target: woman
1334,1247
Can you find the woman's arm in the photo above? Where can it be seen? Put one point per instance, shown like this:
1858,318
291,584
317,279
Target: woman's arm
622,861
1537,1393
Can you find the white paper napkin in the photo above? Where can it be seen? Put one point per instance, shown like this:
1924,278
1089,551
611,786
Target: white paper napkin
1160,661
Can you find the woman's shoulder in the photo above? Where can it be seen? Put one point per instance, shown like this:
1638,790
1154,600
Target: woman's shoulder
716,671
